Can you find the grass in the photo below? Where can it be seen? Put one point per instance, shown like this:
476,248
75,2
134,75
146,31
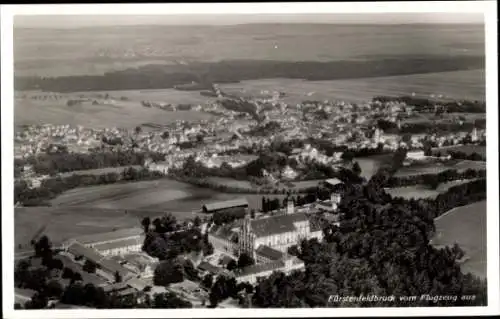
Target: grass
465,225
124,114
371,164
422,191
100,171
454,85
436,168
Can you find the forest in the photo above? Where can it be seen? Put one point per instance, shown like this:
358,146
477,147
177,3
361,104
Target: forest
380,248
165,76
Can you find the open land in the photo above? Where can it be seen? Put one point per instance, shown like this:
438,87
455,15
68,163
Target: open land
163,195
240,184
467,84
371,164
422,191
465,225
436,168
123,114
100,171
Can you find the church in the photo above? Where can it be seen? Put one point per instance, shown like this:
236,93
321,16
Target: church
277,233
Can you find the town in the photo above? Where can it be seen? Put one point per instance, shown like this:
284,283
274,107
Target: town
219,259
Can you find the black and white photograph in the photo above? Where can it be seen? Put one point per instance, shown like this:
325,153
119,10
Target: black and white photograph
248,157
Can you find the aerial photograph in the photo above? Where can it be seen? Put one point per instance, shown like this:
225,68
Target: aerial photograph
256,161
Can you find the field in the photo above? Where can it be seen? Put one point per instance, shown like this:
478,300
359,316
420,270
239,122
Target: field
62,223
468,149
468,84
247,185
47,52
422,191
182,199
465,225
370,164
100,171
124,114
436,168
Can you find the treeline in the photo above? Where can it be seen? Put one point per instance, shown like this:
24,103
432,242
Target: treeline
463,155
421,127
51,164
423,104
433,180
52,187
164,76
380,248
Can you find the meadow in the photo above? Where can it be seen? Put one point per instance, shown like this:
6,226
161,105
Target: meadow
47,52
100,171
469,84
465,225
371,164
436,168
246,185
181,199
422,191
123,114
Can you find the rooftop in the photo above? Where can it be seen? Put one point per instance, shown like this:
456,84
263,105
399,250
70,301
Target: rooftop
333,181
268,252
226,204
91,254
276,224
120,243
259,268
110,236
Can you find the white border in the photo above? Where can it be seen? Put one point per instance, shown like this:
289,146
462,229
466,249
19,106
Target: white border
486,7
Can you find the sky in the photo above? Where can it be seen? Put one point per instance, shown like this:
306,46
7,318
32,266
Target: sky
77,21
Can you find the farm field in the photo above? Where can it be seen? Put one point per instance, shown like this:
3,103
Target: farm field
468,84
100,171
468,149
182,199
248,185
124,114
423,191
436,168
61,223
465,225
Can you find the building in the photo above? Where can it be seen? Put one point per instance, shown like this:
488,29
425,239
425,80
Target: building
415,155
278,232
106,268
252,274
239,203
121,235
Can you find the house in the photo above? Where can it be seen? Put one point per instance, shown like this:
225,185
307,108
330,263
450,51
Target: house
415,155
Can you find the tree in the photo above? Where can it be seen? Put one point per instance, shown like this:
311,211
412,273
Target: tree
54,289
252,213
167,272
347,156
118,277
208,281
43,247
197,221
146,222
138,129
245,260
232,265
356,168
208,249
89,266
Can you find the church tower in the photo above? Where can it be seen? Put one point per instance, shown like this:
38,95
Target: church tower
474,137
246,239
